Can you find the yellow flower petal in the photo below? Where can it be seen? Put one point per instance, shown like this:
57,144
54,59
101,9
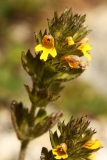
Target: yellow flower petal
44,55
53,52
87,55
39,48
84,49
61,157
92,144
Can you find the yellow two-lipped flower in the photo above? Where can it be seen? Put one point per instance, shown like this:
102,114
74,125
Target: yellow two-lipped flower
84,47
92,144
60,151
47,47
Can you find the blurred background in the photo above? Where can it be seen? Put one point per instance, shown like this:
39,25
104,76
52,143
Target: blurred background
87,95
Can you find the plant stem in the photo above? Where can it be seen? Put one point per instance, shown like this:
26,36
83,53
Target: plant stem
23,149
32,115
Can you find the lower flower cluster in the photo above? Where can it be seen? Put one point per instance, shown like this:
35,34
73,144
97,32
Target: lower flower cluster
75,142
60,151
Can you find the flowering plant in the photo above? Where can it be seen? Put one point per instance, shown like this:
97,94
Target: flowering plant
58,58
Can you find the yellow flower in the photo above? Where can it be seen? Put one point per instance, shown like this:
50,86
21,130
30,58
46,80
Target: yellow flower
72,60
75,62
92,144
84,47
69,40
47,47
60,151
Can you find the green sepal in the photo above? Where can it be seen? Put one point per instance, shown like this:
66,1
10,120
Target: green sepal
80,34
54,139
61,126
66,50
39,36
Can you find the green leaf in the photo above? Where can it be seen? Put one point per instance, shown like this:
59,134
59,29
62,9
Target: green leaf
20,116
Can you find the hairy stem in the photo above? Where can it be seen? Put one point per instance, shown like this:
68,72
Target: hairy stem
23,149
